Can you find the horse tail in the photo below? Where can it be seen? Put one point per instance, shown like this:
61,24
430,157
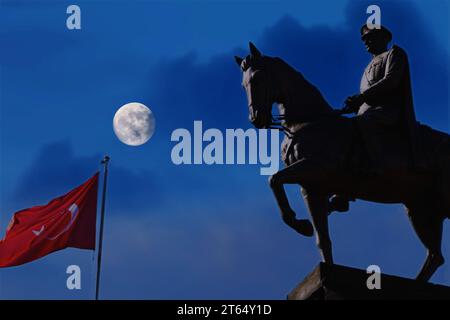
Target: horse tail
435,146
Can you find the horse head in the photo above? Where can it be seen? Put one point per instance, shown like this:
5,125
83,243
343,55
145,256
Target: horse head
268,80
259,87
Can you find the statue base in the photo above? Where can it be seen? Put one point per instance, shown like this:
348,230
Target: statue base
334,282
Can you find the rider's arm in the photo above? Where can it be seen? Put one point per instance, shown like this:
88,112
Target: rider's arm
396,65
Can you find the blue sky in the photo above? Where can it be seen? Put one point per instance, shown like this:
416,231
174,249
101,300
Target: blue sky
191,231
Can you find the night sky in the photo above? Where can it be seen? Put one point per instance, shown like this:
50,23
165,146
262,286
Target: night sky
192,232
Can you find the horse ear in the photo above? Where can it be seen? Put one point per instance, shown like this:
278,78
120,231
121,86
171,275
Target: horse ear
253,50
238,60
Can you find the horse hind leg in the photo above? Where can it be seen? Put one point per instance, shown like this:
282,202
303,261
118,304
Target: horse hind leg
444,185
428,228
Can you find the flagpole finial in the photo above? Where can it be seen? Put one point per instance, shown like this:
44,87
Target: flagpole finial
105,159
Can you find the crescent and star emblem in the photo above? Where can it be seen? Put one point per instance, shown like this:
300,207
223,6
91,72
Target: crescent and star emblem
73,211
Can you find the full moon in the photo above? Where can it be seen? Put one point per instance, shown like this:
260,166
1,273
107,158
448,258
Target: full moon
134,124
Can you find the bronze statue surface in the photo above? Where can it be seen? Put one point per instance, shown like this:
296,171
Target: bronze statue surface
373,156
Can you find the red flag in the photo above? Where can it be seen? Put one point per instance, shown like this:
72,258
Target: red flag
67,221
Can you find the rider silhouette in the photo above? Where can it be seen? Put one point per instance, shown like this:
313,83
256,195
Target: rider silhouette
385,99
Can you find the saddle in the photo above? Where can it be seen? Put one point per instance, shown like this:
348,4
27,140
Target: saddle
395,146
338,141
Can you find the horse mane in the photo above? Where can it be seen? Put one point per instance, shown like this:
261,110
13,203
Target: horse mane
301,100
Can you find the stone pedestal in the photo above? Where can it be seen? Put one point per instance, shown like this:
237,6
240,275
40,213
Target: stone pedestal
336,282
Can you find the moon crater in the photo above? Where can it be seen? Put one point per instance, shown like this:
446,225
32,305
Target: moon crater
134,124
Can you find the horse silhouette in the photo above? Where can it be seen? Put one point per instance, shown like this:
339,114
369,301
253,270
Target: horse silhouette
324,155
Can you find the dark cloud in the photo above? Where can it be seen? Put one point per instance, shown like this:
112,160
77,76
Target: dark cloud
332,58
220,236
189,90
57,169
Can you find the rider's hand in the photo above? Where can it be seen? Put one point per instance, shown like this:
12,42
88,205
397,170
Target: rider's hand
352,104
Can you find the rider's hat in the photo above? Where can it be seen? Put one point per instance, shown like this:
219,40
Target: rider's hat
370,29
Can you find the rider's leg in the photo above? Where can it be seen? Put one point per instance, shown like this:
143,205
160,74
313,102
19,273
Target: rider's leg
417,153
368,126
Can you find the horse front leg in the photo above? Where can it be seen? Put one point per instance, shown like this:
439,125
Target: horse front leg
276,182
309,175
317,203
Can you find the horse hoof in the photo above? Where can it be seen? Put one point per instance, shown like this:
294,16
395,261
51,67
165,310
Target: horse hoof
304,227
432,263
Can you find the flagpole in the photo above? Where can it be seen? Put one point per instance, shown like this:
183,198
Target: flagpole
102,218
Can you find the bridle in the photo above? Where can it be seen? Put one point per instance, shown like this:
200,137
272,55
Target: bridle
276,123
276,120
